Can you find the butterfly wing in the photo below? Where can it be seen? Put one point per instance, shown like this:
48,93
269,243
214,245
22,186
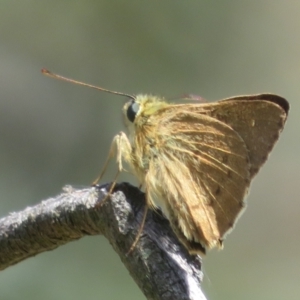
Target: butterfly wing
203,161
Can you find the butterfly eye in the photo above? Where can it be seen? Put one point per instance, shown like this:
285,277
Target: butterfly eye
132,110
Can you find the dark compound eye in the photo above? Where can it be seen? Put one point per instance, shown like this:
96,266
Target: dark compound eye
132,110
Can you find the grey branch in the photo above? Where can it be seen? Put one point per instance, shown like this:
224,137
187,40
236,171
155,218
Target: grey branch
159,264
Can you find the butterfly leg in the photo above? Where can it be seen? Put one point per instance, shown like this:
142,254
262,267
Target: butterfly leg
123,153
111,154
141,227
122,147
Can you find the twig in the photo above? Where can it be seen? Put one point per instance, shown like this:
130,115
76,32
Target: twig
159,264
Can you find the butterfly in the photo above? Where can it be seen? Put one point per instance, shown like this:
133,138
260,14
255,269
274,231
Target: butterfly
196,161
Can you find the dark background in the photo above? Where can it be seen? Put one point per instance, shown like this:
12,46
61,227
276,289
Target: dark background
53,133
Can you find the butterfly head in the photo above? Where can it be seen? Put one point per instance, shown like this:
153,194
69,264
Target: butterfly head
142,106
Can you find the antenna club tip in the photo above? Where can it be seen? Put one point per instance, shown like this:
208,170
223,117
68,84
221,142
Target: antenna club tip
45,71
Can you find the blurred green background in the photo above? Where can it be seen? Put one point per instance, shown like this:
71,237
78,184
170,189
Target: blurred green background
53,133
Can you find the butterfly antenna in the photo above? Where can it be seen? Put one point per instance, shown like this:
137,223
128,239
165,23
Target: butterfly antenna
56,76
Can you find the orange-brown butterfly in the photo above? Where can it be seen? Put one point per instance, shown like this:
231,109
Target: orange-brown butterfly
196,161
